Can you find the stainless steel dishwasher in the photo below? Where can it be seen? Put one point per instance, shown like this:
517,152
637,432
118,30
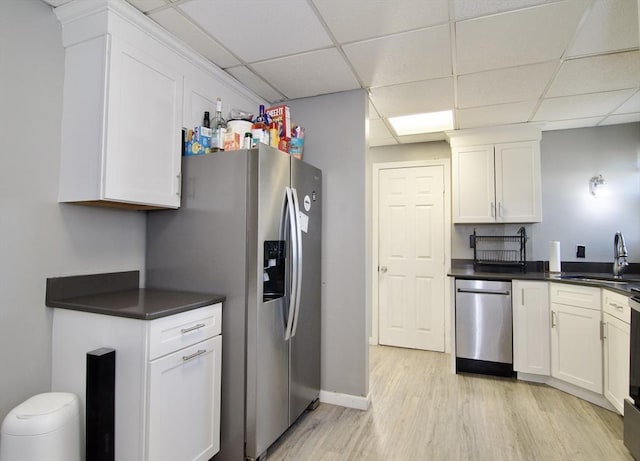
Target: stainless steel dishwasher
484,327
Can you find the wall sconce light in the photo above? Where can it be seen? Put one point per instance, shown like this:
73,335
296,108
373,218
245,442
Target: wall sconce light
597,186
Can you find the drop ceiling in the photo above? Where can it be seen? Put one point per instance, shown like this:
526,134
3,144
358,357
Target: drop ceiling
560,63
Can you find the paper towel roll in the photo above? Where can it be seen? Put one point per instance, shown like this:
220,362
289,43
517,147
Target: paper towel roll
554,256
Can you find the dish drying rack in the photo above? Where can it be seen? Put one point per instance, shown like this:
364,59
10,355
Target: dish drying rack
500,251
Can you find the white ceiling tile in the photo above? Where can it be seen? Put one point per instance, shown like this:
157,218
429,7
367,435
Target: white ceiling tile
260,29
413,98
361,19
581,106
620,119
147,5
596,74
181,27
255,83
466,9
401,58
428,137
526,36
307,74
574,123
504,85
378,130
494,115
611,25
630,106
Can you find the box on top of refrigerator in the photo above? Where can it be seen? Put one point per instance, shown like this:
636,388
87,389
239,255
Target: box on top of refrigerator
282,116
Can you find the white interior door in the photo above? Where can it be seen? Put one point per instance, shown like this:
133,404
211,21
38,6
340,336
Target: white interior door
411,257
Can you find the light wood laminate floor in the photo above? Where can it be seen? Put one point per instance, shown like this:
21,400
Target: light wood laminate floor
422,411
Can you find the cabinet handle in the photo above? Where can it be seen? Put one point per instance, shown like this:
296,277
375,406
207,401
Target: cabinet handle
553,319
179,176
603,334
617,306
195,327
186,358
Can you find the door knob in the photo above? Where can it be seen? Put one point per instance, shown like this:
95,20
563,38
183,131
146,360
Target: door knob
383,269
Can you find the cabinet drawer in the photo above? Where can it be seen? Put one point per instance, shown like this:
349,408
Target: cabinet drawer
616,305
169,334
574,295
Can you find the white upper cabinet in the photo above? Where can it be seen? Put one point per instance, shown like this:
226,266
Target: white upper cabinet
496,175
122,110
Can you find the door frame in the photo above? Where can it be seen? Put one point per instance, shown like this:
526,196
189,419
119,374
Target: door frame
375,242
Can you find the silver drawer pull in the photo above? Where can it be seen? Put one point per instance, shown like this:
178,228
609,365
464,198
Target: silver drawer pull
195,327
194,355
617,306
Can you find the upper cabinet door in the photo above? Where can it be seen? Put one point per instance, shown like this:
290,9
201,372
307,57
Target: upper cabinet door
473,184
518,195
143,130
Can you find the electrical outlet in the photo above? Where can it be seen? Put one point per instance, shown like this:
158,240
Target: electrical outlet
581,251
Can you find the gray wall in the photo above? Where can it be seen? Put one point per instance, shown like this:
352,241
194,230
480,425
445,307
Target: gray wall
409,152
336,143
40,238
570,214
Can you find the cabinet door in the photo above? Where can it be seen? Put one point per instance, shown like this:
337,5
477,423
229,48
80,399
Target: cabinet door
518,183
616,361
183,412
576,347
143,142
531,341
473,184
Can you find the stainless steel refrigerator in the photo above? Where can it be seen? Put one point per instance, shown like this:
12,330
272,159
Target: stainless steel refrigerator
249,227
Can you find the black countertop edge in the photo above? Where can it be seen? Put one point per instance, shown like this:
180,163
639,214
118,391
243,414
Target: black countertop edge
630,287
114,295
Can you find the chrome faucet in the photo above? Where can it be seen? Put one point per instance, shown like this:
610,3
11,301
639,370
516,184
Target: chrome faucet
619,255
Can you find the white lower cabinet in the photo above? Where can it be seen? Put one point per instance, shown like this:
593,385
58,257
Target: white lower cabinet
616,320
168,370
531,341
183,412
576,345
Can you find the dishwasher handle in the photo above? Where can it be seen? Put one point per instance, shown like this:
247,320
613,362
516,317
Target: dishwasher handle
484,292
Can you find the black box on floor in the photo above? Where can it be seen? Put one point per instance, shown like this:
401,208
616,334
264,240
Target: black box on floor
100,405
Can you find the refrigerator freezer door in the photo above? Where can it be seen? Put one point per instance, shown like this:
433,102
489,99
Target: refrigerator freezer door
267,350
305,344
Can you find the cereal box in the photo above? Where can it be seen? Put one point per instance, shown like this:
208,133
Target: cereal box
282,116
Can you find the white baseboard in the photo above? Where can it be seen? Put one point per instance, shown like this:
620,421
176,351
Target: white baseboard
346,400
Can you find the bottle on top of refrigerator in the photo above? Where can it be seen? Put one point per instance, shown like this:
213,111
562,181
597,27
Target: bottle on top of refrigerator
219,128
206,122
260,129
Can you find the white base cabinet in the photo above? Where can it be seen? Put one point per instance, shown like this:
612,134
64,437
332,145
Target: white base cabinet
531,332
576,344
183,412
167,401
616,320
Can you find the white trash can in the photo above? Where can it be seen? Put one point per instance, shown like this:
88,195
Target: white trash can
45,427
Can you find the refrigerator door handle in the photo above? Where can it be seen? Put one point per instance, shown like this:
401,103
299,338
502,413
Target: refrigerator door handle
293,225
297,262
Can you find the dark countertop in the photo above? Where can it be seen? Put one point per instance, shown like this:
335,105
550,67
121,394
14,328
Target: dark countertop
118,294
630,287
